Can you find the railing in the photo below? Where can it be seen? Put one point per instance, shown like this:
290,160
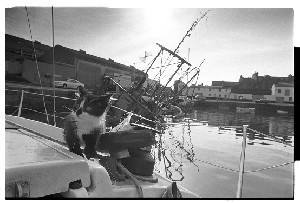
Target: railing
20,107
23,92
241,170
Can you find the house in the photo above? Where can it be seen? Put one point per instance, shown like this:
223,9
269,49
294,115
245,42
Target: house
222,92
283,92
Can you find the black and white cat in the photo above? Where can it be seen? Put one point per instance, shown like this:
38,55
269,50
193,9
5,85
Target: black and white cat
86,123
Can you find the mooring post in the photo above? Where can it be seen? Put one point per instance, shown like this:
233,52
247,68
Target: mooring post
21,103
242,161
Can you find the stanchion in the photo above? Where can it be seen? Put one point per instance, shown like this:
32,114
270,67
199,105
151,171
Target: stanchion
242,161
21,103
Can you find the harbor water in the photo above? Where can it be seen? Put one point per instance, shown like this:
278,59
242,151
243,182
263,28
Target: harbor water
202,153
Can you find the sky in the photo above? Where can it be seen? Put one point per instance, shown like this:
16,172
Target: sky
232,41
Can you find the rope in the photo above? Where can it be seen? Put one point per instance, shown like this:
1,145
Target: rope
271,136
134,180
218,166
15,110
37,67
270,167
134,114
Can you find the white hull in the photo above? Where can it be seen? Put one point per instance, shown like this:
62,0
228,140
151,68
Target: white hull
41,158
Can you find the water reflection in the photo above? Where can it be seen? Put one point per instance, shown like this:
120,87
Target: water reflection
175,149
281,127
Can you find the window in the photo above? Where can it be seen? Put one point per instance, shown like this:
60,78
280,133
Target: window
278,90
290,99
219,89
219,95
225,96
287,93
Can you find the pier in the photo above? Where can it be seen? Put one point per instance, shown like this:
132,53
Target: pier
259,107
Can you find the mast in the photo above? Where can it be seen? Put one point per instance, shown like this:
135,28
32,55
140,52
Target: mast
182,61
53,69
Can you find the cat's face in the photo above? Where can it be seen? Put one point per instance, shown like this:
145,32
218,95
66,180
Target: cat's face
92,104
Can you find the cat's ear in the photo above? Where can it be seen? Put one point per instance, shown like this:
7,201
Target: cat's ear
81,91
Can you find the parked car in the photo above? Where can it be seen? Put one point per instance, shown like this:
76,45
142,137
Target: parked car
199,97
263,101
70,83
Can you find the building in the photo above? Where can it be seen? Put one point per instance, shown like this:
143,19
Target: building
90,69
69,63
222,92
283,92
18,49
178,87
224,83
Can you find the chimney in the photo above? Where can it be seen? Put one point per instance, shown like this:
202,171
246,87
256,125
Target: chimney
82,51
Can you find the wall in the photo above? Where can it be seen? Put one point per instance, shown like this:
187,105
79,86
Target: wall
13,67
123,80
238,96
89,73
269,97
30,72
258,97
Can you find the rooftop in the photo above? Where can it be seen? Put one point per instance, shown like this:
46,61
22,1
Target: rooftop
284,84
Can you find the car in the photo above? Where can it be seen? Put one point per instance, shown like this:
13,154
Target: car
263,101
69,83
199,97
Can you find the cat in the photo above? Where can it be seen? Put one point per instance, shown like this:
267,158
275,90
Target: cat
83,127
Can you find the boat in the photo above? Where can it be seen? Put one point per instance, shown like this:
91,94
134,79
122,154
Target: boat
39,165
245,110
281,112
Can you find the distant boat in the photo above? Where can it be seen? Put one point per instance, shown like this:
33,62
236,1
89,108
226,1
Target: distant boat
282,112
245,110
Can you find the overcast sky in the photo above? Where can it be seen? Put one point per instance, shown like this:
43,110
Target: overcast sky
233,42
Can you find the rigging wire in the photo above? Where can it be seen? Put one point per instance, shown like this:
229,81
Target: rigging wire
53,67
34,50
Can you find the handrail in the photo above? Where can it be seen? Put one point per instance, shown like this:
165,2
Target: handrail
33,111
67,98
242,159
23,91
